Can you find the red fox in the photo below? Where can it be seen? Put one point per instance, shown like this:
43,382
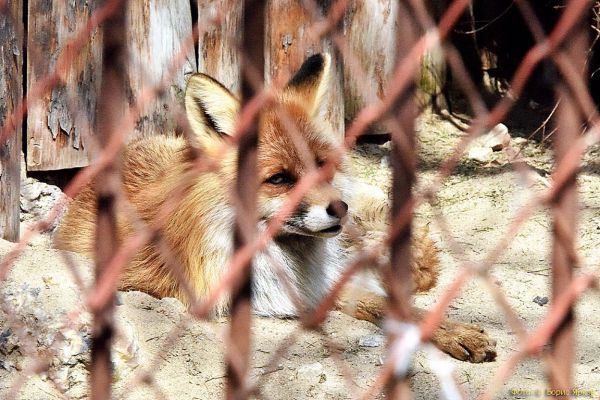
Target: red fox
311,248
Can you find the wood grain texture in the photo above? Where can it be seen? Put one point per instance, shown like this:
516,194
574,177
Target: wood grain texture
218,47
289,43
57,124
370,29
157,30
58,137
11,93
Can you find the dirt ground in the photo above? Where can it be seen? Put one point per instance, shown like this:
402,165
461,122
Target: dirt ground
478,202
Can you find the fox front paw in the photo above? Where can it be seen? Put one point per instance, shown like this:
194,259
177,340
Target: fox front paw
465,342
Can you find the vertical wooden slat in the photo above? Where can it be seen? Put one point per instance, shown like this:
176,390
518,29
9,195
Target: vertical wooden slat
109,116
157,30
218,52
568,123
370,30
404,166
289,43
11,92
238,355
55,134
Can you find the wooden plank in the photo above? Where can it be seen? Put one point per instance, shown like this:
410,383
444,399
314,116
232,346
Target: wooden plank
157,30
218,54
370,29
11,93
57,137
289,42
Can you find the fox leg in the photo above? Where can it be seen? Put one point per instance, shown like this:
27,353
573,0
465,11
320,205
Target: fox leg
363,298
462,341
369,225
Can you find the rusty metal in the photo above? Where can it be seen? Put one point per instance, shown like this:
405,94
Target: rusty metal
246,187
568,122
109,116
399,276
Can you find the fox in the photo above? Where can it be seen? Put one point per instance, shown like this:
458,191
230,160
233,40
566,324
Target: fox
333,222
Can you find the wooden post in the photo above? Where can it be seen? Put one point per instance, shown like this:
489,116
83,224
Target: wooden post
218,47
370,29
11,93
156,31
289,42
56,134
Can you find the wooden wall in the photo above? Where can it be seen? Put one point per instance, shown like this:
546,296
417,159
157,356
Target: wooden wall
58,138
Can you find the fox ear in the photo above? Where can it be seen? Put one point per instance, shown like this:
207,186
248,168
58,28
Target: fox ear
210,107
309,85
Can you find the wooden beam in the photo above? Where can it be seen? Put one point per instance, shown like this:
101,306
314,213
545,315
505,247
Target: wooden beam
11,93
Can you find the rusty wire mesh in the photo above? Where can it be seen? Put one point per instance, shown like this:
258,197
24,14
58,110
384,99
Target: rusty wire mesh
419,34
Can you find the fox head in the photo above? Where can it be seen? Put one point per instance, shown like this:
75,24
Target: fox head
292,142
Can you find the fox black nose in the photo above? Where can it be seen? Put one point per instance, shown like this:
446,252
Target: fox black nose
337,208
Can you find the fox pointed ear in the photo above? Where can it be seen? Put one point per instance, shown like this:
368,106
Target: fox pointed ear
211,108
309,85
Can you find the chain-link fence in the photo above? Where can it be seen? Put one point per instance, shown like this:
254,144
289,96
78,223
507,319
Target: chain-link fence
269,118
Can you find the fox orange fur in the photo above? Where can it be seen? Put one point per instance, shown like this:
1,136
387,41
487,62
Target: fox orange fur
310,250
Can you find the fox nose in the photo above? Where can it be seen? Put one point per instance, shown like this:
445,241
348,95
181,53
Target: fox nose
337,208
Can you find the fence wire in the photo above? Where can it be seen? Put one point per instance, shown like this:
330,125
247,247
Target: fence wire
418,34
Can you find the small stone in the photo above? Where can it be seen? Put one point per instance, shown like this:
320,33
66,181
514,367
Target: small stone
495,140
310,372
481,154
498,137
371,341
542,301
32,191
518,141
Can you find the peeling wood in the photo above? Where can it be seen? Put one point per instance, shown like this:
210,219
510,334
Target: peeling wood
289,43
59,123
11,93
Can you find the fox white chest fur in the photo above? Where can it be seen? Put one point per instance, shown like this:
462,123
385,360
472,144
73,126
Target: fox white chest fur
290,271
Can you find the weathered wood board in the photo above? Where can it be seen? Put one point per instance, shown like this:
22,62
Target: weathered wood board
11,93
57,124
370,29
58,135
156,36
218,45
289,42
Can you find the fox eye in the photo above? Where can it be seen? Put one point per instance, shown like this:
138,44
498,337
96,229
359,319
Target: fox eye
281,178
320,163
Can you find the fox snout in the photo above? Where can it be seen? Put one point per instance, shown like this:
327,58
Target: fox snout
320,220
337,208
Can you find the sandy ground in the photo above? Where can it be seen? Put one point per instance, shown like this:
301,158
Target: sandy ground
478,202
